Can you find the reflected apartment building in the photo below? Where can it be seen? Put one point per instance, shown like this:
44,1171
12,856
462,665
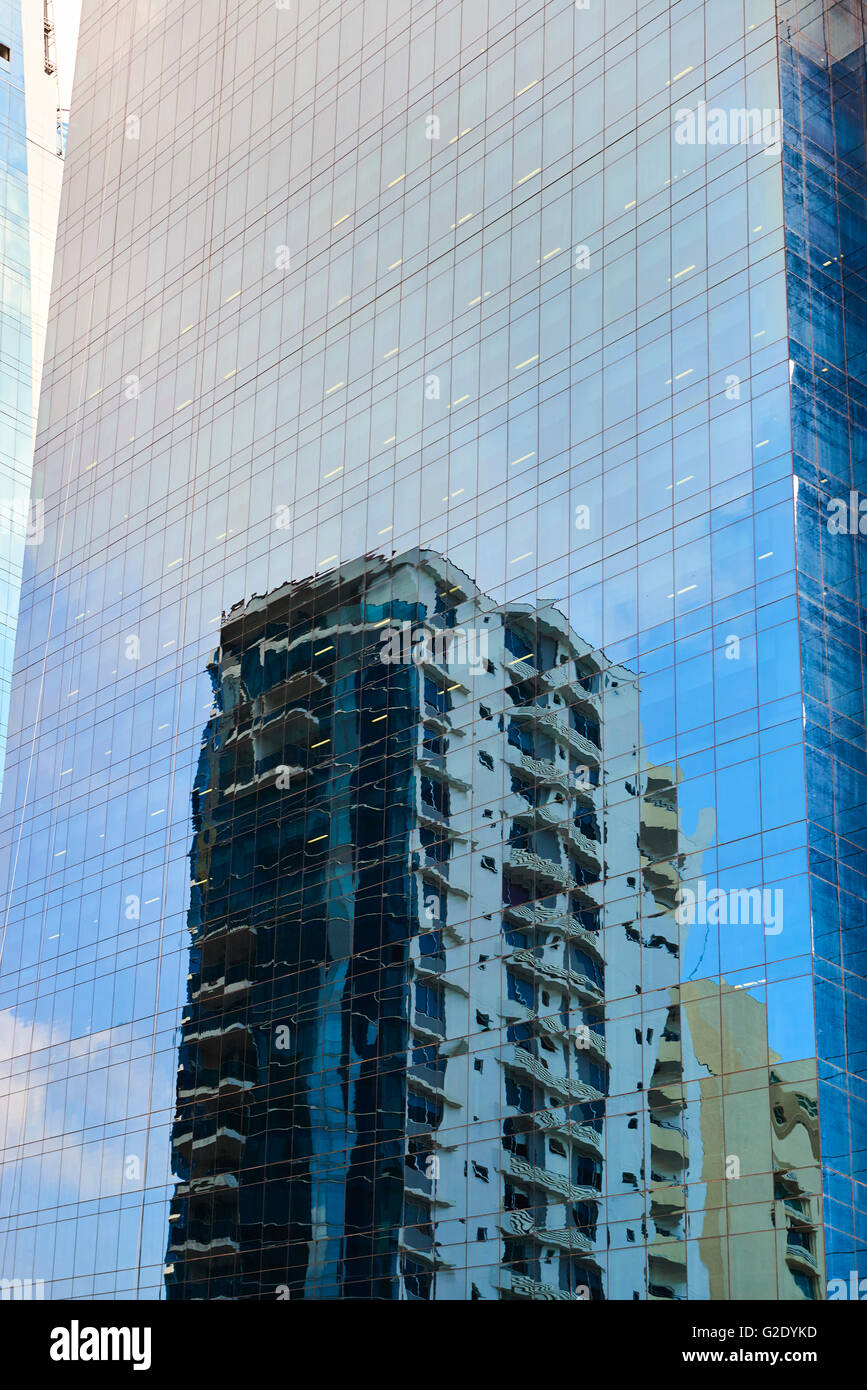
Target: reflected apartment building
380,317
430,874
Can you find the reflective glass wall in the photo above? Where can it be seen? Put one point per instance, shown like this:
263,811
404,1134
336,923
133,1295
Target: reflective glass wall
407,873
823,84
30,172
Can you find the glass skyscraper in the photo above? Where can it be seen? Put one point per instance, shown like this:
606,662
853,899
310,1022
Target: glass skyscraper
431,843
30,173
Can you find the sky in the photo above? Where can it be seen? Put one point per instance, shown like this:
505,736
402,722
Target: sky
66,16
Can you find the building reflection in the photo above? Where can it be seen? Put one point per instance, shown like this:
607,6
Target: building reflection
436,1043
755,1132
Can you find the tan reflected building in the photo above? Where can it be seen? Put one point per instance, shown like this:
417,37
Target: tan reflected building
759,1140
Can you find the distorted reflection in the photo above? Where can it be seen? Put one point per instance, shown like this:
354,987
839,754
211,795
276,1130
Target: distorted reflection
436,1043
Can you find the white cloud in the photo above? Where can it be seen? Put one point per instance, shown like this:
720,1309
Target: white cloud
67,14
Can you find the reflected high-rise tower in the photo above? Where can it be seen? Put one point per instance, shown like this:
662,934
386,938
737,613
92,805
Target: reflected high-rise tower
562,300
396,1010
407,1065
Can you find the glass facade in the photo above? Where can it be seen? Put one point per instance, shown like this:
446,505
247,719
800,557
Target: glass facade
29,194
823,86
422,875
16,381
